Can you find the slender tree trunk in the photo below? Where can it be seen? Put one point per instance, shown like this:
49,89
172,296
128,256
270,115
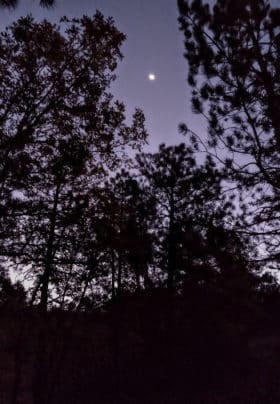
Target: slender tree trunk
66,285
148,284
35,292
171,248
83,293
91,266
119,290
137,276
113,267
49,254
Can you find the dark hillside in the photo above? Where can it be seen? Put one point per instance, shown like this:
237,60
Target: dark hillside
204,347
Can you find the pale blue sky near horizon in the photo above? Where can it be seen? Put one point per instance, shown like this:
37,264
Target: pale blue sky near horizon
154,44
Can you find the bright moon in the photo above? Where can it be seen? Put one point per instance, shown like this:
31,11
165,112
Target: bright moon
152,77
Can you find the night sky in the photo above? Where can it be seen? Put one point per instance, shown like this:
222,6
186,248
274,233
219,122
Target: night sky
154,44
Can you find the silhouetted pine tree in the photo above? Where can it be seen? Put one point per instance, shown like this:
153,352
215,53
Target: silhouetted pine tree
186,196
135,234
64,122
233,52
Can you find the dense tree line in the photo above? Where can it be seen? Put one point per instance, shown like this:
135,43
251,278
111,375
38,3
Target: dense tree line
86,215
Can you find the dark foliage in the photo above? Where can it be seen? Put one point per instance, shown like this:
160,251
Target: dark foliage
61,131
75,225
233,54
12,295
14,3
87,219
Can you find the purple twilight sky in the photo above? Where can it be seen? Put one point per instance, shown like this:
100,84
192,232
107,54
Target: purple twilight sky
154,44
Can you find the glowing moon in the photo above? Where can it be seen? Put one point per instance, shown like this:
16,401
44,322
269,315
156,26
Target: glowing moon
151,76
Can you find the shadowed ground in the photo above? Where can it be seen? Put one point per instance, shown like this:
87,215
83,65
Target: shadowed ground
201,348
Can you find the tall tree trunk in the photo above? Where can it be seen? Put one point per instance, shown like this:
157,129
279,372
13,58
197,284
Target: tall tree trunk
49,254
113,267
171,248
119,290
